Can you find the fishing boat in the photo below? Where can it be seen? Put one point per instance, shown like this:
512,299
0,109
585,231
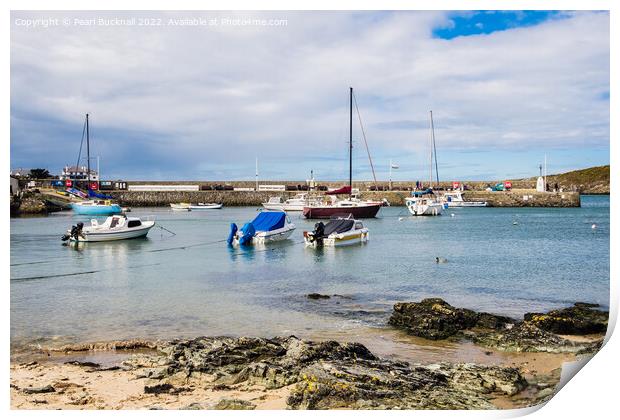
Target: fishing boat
205,206
340,231
114,228
267,226
454,198
357,208
296,203
425,203
180,206
99,205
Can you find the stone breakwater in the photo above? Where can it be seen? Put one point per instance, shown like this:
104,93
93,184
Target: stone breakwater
396,198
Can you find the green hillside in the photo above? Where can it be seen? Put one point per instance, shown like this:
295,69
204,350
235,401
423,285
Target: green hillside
593,180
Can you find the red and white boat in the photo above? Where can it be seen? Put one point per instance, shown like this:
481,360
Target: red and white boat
358,209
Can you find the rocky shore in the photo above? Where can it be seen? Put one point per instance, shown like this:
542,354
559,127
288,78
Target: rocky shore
292,373
436,319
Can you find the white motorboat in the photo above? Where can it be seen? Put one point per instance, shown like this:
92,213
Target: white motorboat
114,228
296,203
423,203
180,206
337,232
267,226
455,199
205,206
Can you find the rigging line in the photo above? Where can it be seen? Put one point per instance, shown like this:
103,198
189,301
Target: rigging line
80,273
81,143
359,116
187,246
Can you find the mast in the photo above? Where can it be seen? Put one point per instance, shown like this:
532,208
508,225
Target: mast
434,149
431,153
350,141
88,152
256,173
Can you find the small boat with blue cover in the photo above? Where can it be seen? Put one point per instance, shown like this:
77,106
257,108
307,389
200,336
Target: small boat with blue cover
267,226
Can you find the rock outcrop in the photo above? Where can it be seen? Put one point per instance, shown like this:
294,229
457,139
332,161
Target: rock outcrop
324,375
435,319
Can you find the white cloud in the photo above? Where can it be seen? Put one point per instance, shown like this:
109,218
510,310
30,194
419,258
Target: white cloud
202,95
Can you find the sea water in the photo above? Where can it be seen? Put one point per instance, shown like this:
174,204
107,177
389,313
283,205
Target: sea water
502,260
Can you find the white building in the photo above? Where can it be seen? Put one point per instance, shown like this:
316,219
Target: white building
78,172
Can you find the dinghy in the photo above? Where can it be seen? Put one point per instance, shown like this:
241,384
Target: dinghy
337,232
180,206
114,228
268,226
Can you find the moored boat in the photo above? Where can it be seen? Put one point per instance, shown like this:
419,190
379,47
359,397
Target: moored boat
423,203
205,206
180,206
296,203
336,233
455,199
357,208
96,208
114,228
267,226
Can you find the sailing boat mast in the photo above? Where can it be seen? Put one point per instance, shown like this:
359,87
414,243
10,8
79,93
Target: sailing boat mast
87,152
434,149
350,141
431,152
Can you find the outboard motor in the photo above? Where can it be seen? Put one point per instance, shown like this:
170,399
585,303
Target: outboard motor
319,233
248,233
76,232
233,232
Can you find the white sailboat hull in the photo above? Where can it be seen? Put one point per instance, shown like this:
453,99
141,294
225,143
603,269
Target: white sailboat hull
419,209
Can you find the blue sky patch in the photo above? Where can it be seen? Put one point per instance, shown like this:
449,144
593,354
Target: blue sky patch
486,22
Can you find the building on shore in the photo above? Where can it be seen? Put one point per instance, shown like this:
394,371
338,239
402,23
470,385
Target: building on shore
78,173
14,188
20,172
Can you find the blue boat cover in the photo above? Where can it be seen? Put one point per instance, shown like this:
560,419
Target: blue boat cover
269,220
95,194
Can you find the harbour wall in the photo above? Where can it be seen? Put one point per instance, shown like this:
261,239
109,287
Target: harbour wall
514,198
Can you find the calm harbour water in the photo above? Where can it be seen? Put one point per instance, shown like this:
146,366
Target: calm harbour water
185,285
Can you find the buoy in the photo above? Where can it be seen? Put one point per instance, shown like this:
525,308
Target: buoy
440,260
451,214
400,219
594,226
515,223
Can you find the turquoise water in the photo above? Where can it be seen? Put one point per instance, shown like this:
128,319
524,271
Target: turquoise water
185,285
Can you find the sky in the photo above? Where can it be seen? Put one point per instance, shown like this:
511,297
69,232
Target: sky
201,95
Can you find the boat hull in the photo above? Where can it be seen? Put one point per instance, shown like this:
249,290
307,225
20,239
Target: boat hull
130,233
283,207
453,204
97,210
327,212
263,237
206,207
346,239
425,209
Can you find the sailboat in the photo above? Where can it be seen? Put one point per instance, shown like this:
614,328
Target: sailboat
356,208
95,207
424,203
